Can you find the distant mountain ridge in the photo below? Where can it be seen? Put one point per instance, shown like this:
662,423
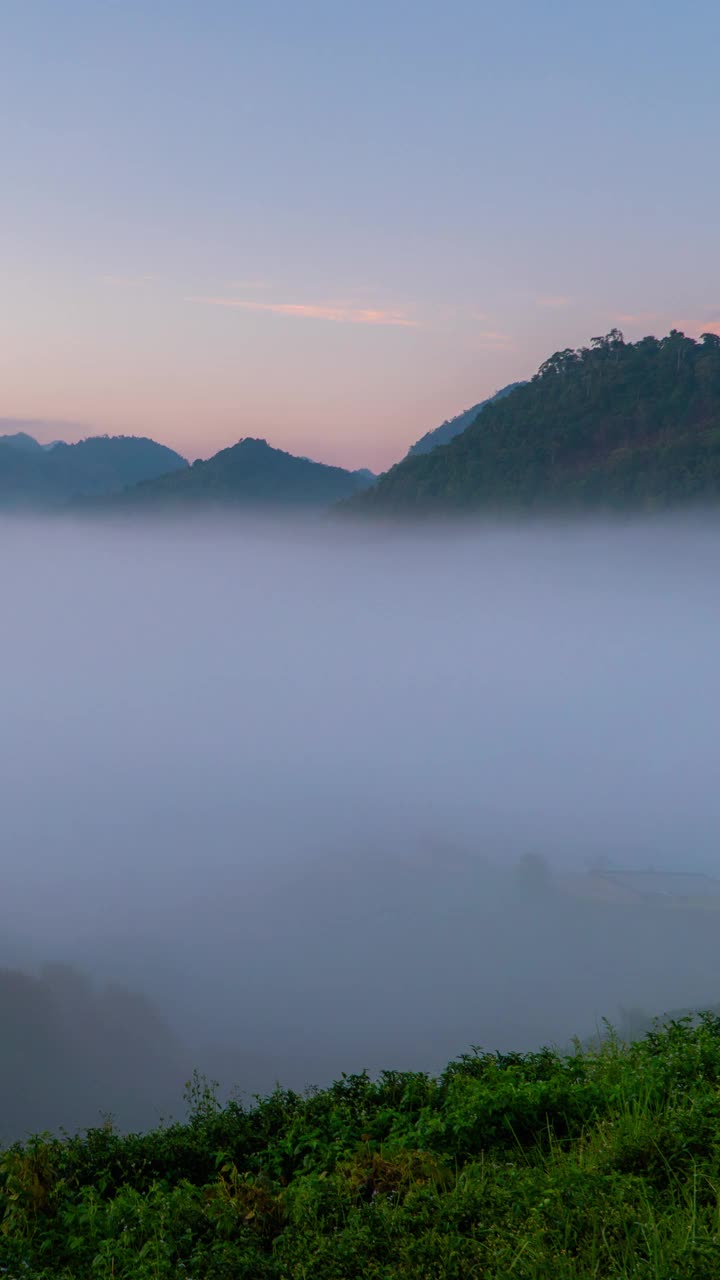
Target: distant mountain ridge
613,425
248,474
22,441
47,476
454,426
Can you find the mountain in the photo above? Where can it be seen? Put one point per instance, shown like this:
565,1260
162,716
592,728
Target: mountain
615,424
22,441
453,426
250,474
26,433
35,475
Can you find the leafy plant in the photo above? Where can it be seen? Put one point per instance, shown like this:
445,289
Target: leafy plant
600,1162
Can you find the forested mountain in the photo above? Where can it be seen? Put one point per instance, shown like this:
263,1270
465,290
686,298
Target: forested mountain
250,474
70,1051
453,426
615,424
24,442
32,475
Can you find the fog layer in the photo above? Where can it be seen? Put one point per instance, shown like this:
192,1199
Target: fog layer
279,778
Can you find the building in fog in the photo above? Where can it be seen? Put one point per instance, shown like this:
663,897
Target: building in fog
650,887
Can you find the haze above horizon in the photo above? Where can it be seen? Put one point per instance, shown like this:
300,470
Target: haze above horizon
335,227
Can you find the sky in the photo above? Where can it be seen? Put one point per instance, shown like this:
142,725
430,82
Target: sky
336,225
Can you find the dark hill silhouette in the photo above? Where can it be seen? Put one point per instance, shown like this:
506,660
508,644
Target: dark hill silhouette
22,441
250,474
32,475
71,1051
454,426
614,425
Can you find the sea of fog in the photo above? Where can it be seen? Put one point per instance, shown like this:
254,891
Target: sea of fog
279,777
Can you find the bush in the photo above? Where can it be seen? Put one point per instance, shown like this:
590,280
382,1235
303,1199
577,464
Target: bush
602,1162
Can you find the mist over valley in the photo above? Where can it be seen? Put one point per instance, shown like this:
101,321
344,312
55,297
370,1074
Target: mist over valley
328,796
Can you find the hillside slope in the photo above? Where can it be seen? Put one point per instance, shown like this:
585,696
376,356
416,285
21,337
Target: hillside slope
616,424
448,430
599,1163
34,476
250,474
22,441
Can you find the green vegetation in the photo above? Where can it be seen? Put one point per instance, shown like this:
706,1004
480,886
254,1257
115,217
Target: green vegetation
618,425
453,426
599,1163
249,474
34,476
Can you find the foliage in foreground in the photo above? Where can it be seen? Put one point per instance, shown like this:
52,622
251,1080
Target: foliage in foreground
604,1163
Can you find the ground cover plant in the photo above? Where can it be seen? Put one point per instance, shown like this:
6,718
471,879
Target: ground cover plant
600,1162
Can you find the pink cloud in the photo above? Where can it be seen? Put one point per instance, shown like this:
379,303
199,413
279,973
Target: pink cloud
489,340
639,317
311,311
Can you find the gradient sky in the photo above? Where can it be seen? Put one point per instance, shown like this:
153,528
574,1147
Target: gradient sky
335,225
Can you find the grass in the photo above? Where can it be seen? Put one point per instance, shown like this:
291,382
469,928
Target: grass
604,1162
